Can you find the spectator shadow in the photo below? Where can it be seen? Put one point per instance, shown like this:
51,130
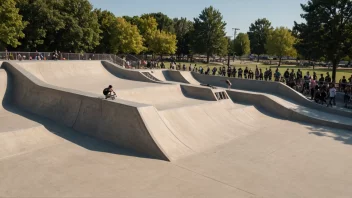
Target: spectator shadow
340,135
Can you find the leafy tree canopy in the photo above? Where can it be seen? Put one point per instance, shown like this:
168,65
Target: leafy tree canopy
242,44
209,32
11,24
280,42
258,34
327,26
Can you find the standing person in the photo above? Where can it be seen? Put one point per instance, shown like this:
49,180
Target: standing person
214,70
250,74
328,78
223,71
257,73
234,72
190,67
343,83
229,71
266,74
313,84
246,72
6,54
240,73
207,71
184,67
200,69
307,79
299,74
270,74
277,75
332,94
287,75
315,76
321,79
261,74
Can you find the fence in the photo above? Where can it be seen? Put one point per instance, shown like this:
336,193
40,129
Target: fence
60,56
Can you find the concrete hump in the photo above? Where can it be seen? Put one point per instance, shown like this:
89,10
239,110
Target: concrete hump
128,124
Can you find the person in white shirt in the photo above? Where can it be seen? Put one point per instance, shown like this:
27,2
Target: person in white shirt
332,94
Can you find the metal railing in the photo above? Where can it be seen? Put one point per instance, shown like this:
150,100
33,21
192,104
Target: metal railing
60,56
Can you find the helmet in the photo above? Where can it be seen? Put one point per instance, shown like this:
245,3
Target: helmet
110,86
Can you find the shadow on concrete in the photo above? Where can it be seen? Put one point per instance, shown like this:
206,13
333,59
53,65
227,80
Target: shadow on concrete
342,136
66,133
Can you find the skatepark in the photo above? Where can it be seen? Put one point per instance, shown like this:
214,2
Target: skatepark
165,135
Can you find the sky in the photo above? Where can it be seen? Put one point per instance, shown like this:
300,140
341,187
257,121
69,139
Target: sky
236,13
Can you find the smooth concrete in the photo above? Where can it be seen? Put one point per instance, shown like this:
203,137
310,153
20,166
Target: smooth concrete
118,122
144,128
259,155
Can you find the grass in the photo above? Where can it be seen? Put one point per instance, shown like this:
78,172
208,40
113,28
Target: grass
252,65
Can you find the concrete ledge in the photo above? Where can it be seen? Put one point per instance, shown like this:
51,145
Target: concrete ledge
279,110
198,92
125,73
175,76
116,121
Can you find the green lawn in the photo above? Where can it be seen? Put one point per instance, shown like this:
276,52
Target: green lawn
319,70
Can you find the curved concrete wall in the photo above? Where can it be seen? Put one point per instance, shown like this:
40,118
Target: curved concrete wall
274,88
116,121
275,108
125,73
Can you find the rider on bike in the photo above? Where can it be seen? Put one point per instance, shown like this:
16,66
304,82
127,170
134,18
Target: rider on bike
108,92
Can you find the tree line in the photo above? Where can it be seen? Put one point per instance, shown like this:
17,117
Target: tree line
75,26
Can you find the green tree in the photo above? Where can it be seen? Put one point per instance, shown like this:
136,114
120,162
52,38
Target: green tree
209,31
11,24
163,43
163,21
67,25
127,39
81,31
307,47
330,28
44,20
108,26
258,33
223,50
280,42
147,27
183,29
133,20
242,44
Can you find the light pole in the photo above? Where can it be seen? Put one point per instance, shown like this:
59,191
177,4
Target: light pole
228,48
234,38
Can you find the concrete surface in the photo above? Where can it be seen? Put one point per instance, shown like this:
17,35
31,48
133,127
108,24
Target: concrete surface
227,149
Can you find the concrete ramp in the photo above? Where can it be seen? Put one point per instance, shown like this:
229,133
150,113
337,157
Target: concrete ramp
163,134
208,125
19,134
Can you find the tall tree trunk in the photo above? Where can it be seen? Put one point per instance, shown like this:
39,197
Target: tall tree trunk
280,61
334,68
208,56
258,58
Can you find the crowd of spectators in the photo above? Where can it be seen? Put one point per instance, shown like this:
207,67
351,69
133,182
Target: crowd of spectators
321,89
